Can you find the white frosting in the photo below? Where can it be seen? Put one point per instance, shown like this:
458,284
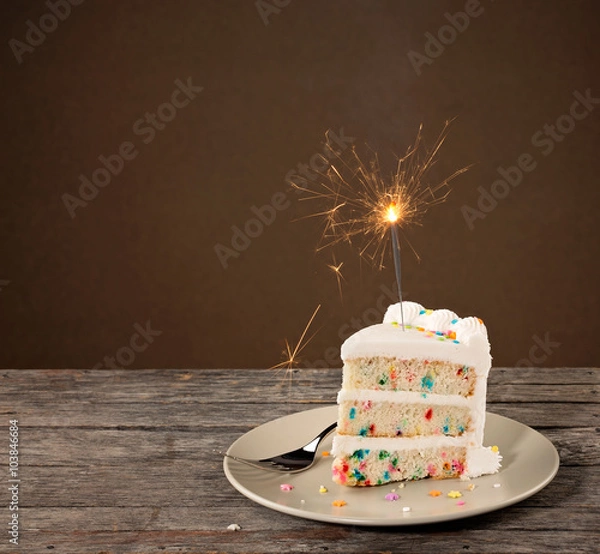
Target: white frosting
350,443
435,320
362,395
469,347
481,461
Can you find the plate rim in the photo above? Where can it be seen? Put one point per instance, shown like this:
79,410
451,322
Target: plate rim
402,519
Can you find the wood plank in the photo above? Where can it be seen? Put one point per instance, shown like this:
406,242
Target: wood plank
177,518
156,414
251,386
202,483
548,376
577,446
52,386
64,446
541,416
544,393
317,539
68,378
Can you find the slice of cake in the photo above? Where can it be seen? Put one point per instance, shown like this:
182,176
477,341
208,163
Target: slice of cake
412,403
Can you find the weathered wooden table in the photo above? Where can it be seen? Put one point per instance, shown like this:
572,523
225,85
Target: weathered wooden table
122,461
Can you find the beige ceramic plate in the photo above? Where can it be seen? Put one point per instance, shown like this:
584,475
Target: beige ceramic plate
530,462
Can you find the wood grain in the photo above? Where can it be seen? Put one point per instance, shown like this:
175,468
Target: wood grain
121,462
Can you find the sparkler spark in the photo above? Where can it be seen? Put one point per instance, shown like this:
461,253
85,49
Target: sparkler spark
363,204
337,269
292,354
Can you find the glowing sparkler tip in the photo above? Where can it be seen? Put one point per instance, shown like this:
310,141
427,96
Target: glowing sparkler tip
392,214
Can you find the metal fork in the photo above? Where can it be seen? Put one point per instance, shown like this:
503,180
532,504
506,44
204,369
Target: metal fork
294,461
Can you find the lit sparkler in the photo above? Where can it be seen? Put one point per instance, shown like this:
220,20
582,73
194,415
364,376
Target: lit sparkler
392,216
364,206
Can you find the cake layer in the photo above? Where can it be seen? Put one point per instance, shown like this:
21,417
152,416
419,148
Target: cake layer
431,376
366,467
387,418
410,458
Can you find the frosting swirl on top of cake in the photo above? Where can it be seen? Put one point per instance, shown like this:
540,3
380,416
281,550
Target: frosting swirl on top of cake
435,320
468,327
411,312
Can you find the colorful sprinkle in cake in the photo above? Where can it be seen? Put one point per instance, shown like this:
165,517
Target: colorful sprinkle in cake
412,403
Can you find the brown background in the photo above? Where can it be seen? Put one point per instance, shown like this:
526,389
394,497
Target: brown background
143,249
